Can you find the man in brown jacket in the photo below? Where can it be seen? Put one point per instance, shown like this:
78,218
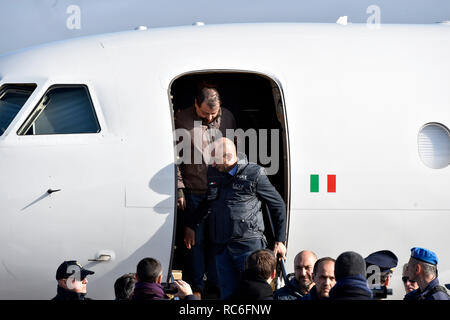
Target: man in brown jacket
204,122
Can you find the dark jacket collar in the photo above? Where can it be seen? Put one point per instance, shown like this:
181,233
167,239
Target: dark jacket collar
64,294
253,287
431,285
149,291
418,293
293,286
241,165
312,295
351,288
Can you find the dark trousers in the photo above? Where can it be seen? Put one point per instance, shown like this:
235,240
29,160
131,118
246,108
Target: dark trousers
201,259
231,264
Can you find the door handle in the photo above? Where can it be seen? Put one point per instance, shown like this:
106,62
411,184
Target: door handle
101,258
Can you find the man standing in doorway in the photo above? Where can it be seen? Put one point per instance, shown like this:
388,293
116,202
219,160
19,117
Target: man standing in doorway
235,192
201,122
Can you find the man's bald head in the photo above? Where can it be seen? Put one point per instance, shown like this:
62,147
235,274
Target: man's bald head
224,154
303,268
305,254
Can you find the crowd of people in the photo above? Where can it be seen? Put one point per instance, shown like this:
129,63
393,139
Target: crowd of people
346,278
220,199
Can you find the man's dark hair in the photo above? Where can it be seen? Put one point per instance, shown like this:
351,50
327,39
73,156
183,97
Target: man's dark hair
124,286
207,92
261,263
318,262
148,270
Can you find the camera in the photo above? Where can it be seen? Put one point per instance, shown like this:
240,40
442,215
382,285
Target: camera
169,287
381,292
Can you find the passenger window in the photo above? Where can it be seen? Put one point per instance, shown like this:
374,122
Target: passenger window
12,99
62,110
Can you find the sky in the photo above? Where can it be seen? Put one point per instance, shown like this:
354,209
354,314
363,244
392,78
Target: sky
29,22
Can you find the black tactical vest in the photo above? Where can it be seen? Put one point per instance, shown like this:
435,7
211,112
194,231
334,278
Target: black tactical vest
235,210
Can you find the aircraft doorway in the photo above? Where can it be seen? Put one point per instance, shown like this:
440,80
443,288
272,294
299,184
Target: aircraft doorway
257,104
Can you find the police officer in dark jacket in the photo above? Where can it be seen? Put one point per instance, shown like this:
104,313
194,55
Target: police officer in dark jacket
72,281
235,191
422,268
380,267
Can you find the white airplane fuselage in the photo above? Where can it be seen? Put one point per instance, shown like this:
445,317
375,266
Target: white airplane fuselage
355,100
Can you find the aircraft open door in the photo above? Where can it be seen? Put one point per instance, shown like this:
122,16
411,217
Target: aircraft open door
257,103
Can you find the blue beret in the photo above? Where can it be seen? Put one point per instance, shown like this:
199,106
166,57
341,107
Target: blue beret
384,259
424,255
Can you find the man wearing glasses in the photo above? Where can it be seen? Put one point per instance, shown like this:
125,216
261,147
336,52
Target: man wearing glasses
408,284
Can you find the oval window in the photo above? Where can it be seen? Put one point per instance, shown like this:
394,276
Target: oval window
434,145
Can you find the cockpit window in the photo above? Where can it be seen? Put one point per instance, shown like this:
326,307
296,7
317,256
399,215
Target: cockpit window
64,109
12,99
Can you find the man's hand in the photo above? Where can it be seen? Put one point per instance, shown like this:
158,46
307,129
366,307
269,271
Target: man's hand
189,237
184,289
181,203
280,249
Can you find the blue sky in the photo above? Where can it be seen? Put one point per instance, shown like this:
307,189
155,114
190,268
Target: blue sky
30,22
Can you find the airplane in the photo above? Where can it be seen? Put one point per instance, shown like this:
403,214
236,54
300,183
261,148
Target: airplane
87,157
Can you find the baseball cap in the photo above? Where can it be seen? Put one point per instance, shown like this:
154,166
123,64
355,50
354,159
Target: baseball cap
68,268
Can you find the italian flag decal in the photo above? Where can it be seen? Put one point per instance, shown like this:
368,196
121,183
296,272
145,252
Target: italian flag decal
331,183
